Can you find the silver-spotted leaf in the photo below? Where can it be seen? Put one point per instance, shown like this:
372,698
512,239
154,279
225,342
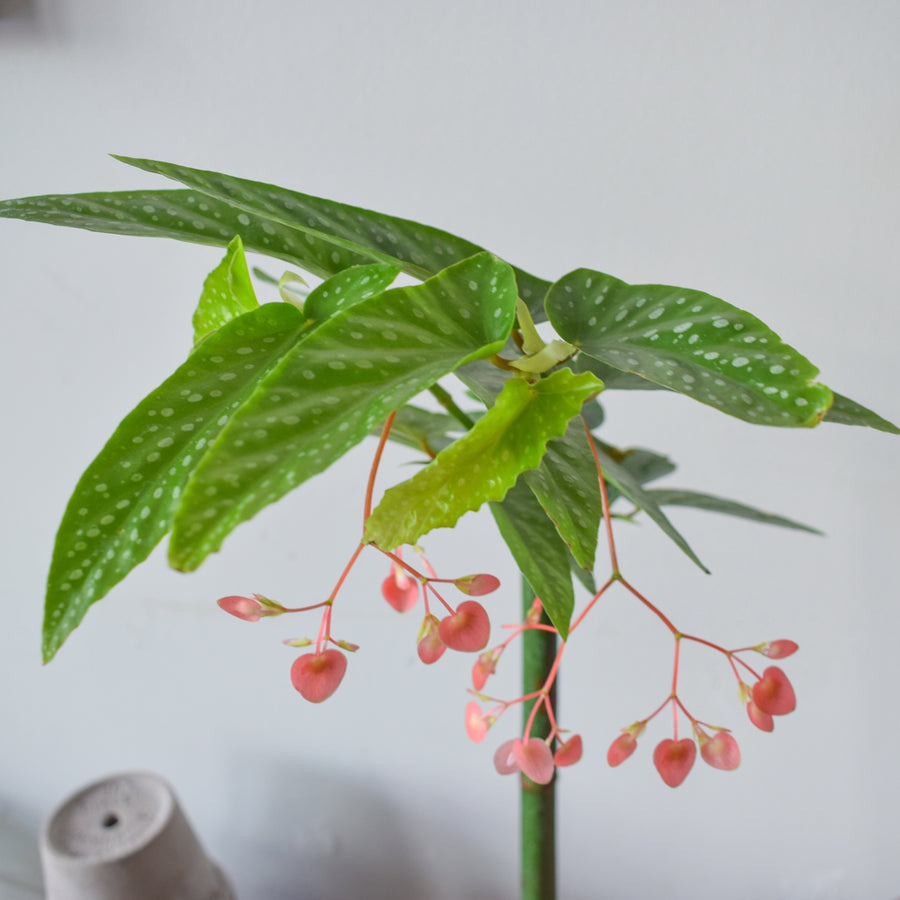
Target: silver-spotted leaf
690,342
347,288
341,380
227,293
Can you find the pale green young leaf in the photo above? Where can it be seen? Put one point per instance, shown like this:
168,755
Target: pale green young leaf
347,288
484,463
227,293
690,342
330,391
711,503
420,250
539,552
617,474
125,501
567,487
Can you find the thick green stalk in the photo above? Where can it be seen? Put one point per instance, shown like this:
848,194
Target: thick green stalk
538,807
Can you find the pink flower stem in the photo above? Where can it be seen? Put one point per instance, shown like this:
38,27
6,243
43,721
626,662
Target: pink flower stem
590,605
447,606
370,487
306,608
651,607
604,500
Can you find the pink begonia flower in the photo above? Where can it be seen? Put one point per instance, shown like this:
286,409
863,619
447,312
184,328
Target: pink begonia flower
400,590
762,720
477,723
535,759
504,759
773,693
250,609
429,645
477,585
485,665
674,759
468,629
777,649
621,748
569,753
721,751
317,675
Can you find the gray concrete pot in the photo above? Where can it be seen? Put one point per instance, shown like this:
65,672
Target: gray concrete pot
126,838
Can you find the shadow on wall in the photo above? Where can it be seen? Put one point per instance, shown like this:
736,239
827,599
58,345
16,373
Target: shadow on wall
301,833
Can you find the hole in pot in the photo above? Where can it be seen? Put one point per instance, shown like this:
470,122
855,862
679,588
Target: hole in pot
110,820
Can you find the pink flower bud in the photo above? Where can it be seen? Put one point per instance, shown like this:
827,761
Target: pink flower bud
400,590
777,649
317,675
477,723
505,760
430,647
534,759
762,720
721,751
297,642
773,693
468,629
247,608
477,585
346,645
568,753
485,665
674,759
621,748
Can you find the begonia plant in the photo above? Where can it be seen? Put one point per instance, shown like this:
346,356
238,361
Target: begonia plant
273,393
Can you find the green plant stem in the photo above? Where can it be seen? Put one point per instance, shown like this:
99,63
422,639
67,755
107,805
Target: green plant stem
538,804
448,403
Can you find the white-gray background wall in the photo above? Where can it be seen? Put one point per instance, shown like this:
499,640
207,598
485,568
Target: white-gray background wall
749,150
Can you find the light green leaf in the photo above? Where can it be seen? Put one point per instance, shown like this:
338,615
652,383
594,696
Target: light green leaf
227,293
845,411
711,503
184,216
690,342
484,463
567,487
539,552
347,288
330,391
628,486
125,501
420,250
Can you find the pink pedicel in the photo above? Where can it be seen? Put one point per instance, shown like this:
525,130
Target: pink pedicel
401,591
468,629
674,759
317,675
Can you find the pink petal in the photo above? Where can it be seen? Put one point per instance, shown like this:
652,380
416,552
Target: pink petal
535,759
245,608
673,760
468,630
477,585
621,748
317,675
504,758
429,646
476,725
773,693
778,649
762,720
569,753
400,590
721,751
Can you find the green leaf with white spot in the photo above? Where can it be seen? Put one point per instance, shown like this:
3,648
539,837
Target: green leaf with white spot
711,503
339,381
347,288
485,462
845,411
567,487
420,250
627,485
642,465
227,293
539,552
185,216
125,501
690,342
